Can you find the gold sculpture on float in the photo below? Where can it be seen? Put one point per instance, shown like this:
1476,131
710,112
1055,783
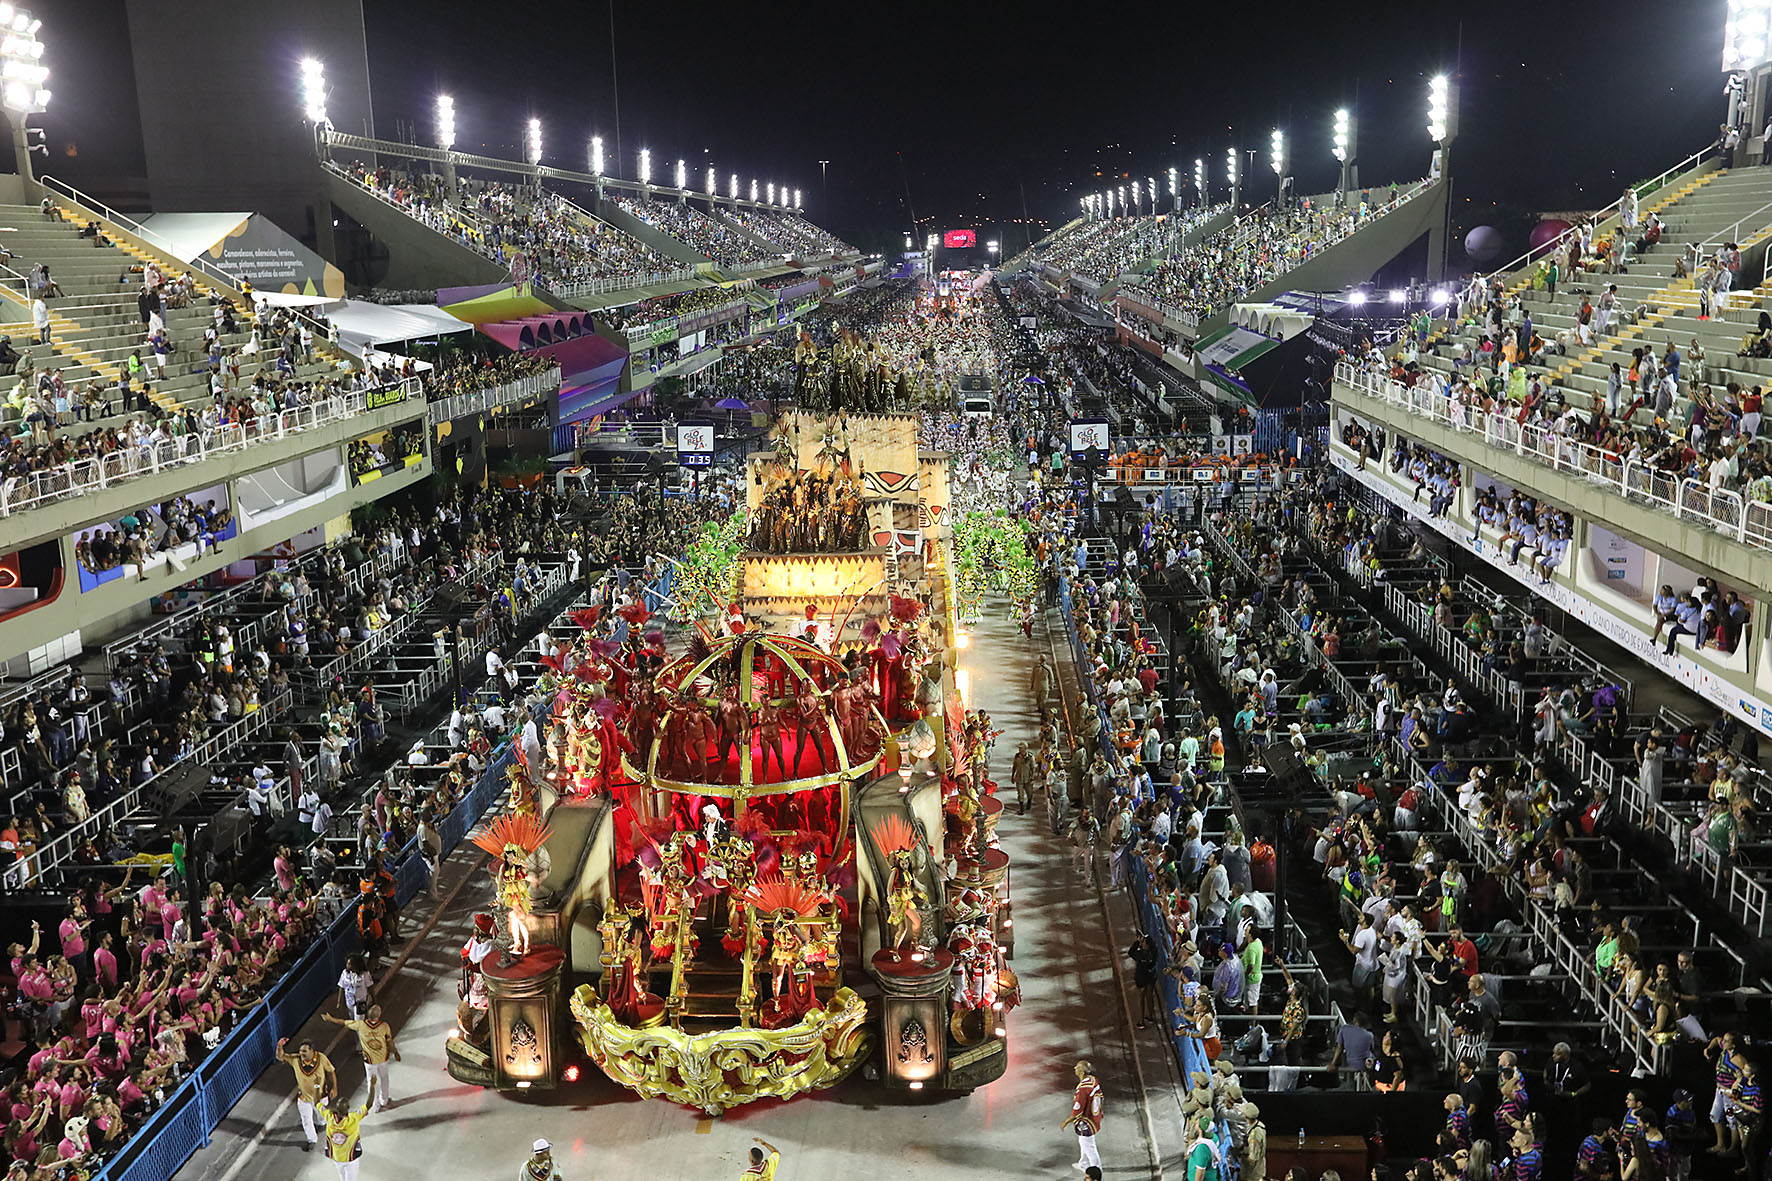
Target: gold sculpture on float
727,1068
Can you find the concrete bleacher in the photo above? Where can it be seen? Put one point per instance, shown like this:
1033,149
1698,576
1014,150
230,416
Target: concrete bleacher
95,323
1655,308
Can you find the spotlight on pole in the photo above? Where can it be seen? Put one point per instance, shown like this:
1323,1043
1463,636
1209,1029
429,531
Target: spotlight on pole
1344,135
1745,34
733,191
682,177
1441,110
313,89
534,141
445,122
645,166
772,192
1230,166
1277,152
796,200
596,155
753,188
1200,177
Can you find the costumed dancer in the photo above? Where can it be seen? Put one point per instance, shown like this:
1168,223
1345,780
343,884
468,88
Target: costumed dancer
520,865
1085,1116
475,1002
540,1166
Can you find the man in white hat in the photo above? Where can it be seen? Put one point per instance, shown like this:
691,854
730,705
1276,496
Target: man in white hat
540,1166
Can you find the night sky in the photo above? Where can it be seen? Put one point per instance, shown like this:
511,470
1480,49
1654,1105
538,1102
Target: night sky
976,108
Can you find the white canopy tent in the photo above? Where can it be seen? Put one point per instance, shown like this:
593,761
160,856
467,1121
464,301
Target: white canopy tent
363,325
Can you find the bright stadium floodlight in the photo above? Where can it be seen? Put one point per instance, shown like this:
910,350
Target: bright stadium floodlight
734,189
992,246
1356,298
772,192
713,182
596,155
1136,203
796,200
1120,191
1230,166
1150,186
645,166
534,141
445,122
1276,152
682,177
1439,109
908,242
1745,34
1343,135
313,90
753,189
1200,178
1398,295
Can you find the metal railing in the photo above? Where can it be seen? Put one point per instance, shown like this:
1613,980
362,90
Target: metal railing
81,477
503,394
225,279
1722,509
586,287
1605,213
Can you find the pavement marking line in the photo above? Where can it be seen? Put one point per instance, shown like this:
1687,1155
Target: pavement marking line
1144,1095
282,1110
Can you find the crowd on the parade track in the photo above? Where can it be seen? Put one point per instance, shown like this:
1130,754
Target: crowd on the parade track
1209,276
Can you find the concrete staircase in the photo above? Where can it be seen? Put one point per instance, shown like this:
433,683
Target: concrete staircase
95,323
1654,307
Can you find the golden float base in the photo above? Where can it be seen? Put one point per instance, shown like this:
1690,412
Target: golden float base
728,1067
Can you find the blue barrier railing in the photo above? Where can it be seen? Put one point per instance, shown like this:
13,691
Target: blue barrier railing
1150,918
184,1122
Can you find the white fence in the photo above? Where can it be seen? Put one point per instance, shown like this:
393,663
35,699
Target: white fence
477,401
1722,509
36,489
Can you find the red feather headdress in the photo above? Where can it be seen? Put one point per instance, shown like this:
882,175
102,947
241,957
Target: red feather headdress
775,893
894,834
527,833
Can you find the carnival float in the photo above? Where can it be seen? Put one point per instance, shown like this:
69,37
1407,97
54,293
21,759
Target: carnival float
760,854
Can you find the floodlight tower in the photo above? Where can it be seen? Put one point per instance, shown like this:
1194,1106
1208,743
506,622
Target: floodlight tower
646,174
1230,166
1174,191
18,94
532,143
682,179
446,140
1276,154
1442,127
597,163
1345,150
1747,46
1200,179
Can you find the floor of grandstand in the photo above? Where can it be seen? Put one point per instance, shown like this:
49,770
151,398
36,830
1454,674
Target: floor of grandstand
1065,956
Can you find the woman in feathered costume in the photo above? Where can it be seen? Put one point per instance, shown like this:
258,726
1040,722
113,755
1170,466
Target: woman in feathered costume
520,865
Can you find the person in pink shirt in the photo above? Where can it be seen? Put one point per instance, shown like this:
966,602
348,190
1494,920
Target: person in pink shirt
283,865
17,953
38,991
170,913
73,936
104,963
72,1095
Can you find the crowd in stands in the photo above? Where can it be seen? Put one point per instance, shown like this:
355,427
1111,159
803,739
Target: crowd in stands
1137,240
702,232
150,530
468,373
1658,412
1209,276
138,980
791,235
554,239
663,307
389,449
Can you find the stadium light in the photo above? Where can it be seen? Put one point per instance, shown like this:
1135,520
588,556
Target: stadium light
772,192
1745,34
645,166
1276,152
1122,194
908,242
992,247
713,182
734,189
534,141
796,200
313,89
1175,188
1136,203
445,122
1230,166
596,155
1439,108
1200,178
682,177
1356,298
753,188
1398,295
1150,186
1343,137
